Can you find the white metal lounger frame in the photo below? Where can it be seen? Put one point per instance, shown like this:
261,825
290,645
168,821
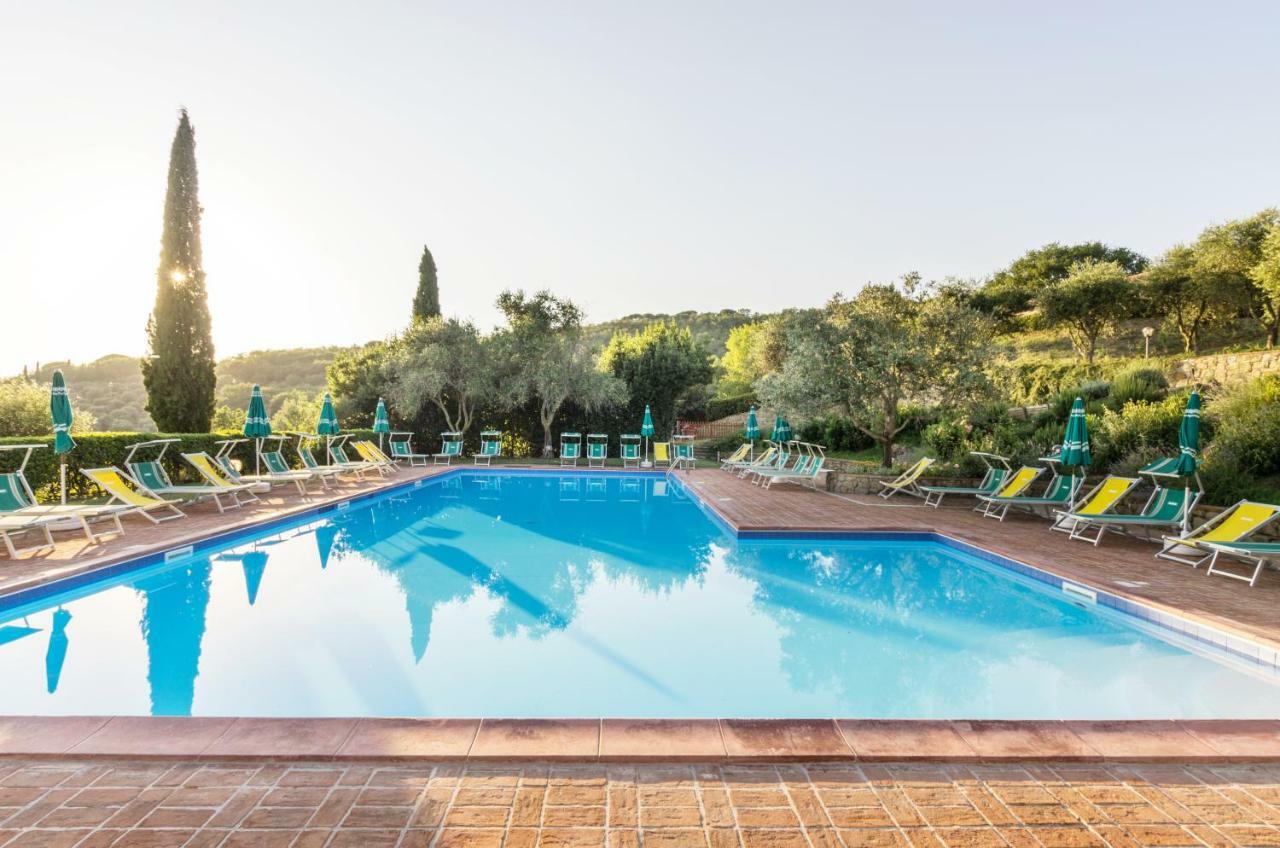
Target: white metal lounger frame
186,493
574,440
80,516
600,441
486,454
630,443
450,448
401,437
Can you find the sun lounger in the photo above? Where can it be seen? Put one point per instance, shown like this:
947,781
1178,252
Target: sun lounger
310,463
450,449
368,452
338,456
597,450
807,470
277,471
739,455
125,490
998,471
150,474
682,456
1233,525
12,524
629,450
1257,554
490,446
661,454
570,448
18,501
213,474
402,450
764,460
1100,500
1057,493
906,481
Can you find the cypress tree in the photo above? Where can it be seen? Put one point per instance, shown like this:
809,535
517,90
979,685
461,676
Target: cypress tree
179,373
426,302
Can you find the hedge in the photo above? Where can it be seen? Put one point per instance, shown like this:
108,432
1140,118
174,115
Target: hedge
94,450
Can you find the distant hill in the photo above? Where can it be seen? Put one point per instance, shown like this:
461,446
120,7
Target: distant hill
710,328
111,387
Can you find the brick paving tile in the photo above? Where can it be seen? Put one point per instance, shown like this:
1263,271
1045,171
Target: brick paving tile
1030,805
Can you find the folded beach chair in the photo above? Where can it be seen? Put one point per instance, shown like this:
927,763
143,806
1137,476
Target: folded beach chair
661,454
490,446
213,474
906,481
1257,554
18,501
998,471
807,470
766,459
310,463
791,460
629,449
570,448
737,456
597,450
450,449
123,489
682,456
338,456
1100,500
402,450
150,474
370,453
278,472
1231,526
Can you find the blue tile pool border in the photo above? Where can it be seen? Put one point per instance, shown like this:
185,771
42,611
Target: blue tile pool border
1146,614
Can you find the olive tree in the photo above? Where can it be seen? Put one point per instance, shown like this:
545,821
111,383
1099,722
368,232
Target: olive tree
1188,295
873,355
444,363
1088,304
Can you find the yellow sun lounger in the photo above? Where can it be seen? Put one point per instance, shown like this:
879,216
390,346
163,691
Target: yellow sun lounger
1242,519
906,481
214,476
661,454
125,490
1103,498
737,456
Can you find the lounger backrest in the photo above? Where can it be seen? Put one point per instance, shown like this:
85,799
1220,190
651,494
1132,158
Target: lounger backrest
490,447
340,454
915,470
994,478
1160,466
275,462
13,495
630,450
595,450
661,451
1061,488
1107,495
739,454
453,448
363,450
207,469
377,451
400,449
115,485
766,457
150,474
1019,482
569,449
308,459
684,450
1167,506
1244,518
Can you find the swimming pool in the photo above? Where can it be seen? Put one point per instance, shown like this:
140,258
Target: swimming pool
490,593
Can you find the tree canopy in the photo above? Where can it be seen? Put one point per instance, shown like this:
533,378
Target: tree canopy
661,366
426,300
1088,303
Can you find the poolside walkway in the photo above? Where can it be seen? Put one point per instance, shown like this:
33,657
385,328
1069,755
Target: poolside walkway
1124,567
655,806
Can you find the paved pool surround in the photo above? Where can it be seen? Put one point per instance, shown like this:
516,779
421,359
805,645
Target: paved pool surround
785,512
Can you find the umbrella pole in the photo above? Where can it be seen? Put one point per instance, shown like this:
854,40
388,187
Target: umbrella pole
257,457
62,481
380,442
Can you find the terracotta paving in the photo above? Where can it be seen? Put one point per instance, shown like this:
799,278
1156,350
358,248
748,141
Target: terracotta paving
654,806
1124,567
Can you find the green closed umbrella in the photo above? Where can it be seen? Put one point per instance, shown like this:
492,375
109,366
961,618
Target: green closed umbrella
753,425
380,423
646,430
1188,452
1075,442
781,429
257,425
327,426
60,410
1189,438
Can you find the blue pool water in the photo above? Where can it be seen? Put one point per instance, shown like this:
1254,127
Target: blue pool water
535,594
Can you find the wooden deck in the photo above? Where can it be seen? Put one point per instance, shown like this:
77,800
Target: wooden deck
1123,567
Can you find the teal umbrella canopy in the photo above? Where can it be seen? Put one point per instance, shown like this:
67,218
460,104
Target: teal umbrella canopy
1189,437
328,423
753,425
60,410
1075,442
256,423
781,430
380,422
646,427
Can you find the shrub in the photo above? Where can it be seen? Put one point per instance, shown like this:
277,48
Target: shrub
1140,428
835,433
947,440
1245,446
1137,384
717,408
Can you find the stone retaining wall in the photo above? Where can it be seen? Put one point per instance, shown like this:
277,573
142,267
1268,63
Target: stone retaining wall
1225,367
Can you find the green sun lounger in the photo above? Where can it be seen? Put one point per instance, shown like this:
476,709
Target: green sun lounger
570,448
150,475
1060,492
1164,510
490,447
402,449
1232,526
629,450
450,449
998,471
597,450
18,501
1257,554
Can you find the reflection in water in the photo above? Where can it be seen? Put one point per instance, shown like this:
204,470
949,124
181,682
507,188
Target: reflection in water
592,594
56,654
173,621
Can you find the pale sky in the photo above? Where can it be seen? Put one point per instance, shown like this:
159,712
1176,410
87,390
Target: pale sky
653,156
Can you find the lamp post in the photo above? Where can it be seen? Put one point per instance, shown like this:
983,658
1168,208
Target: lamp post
1147,333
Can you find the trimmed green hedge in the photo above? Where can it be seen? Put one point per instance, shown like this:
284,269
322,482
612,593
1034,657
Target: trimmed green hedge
94,450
